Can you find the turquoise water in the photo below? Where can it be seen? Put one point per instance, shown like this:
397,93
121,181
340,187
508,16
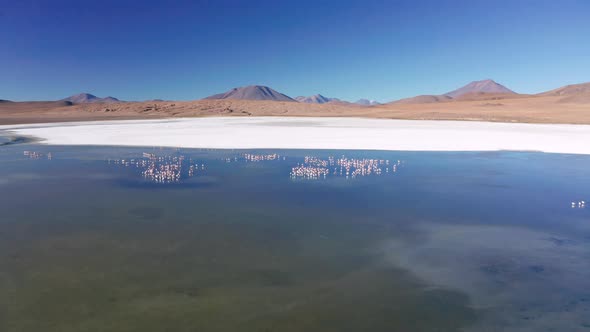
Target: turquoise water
136,239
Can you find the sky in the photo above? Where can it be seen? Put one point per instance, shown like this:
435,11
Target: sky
348,49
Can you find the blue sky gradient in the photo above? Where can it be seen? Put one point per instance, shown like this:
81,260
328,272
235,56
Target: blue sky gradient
349,49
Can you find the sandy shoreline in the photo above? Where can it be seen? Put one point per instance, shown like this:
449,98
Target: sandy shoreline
316,133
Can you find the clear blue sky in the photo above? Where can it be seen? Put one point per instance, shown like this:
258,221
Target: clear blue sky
383,50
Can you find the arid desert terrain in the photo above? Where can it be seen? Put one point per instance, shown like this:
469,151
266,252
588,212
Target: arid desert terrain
566,105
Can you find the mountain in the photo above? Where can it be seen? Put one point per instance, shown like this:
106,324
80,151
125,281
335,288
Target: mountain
583,98
84,98
252,92
367,102
574,93
110,99
423,99
4,101
315,99
569,90
485,86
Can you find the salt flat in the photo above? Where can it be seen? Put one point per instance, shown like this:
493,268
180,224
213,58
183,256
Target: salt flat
316,133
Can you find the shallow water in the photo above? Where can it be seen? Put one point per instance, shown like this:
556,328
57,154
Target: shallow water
98,239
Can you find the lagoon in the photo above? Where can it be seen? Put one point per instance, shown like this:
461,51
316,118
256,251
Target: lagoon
176,239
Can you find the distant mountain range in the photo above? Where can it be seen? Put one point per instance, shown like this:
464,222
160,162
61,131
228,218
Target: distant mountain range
315,99
367,102
85,98
252,92
260,92
477,90
476,102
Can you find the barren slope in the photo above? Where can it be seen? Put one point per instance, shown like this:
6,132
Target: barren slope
534,109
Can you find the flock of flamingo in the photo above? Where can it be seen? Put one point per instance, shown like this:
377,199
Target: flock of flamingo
166,169
37,155
172,169
314,168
